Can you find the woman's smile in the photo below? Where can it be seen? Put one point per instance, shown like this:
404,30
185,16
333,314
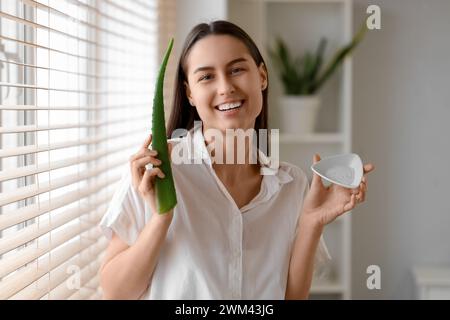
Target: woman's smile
230,108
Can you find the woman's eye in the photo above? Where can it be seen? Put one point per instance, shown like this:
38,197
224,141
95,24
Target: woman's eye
205,77
236,70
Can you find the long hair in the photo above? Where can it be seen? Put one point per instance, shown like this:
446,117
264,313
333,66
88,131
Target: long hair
183,114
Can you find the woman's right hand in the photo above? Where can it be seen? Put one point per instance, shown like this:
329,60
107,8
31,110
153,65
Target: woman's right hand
143,179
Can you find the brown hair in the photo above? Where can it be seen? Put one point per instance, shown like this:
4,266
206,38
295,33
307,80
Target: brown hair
183,114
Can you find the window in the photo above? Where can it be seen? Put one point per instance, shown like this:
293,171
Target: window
77,80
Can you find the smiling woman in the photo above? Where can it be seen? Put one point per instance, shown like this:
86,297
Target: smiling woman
240,230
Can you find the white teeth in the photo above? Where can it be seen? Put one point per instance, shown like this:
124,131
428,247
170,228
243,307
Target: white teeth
227,106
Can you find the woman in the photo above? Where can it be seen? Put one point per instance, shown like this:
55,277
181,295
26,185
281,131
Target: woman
235,233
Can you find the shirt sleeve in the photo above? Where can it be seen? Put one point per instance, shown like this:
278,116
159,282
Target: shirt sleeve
127,212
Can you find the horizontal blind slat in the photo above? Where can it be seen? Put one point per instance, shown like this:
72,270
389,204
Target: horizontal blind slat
9,219
84,74
33,128
30,253
97,60
138,28
108,58
146,5
63,292
31,86
10,152
29,23
74,19
53,165
88,287
96,295
34,189
125,9
57,276
82,22
48,224
33,272
75,108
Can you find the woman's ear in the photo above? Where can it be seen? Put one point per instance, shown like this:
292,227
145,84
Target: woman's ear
188,93
263,75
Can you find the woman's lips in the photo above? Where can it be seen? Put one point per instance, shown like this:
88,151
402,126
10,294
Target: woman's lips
231,112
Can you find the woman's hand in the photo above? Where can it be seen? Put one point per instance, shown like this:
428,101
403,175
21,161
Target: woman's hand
143,179
323,205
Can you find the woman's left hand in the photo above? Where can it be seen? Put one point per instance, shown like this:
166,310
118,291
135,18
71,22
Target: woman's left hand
324,204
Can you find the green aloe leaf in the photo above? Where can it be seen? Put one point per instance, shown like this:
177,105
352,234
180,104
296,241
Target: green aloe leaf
166,198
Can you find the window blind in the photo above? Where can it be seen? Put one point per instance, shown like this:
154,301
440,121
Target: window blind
77,80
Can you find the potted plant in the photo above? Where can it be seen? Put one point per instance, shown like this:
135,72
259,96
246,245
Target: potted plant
302,77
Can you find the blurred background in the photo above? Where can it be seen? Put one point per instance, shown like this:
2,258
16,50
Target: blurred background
77,80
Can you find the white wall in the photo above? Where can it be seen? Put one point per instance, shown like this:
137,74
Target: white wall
401,123
192,12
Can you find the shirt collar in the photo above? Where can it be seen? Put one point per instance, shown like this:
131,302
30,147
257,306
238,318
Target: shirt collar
274,177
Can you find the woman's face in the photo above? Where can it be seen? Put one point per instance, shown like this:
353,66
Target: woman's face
222,74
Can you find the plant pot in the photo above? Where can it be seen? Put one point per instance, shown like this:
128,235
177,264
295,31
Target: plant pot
298,114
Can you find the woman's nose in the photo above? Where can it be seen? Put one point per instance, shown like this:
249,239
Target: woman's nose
225,86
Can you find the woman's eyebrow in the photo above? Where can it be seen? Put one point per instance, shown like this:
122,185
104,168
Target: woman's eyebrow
228,64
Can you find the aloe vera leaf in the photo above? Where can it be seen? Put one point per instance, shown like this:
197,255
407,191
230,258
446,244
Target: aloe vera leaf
166,198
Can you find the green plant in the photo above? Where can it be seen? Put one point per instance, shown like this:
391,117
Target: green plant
166,197
303,75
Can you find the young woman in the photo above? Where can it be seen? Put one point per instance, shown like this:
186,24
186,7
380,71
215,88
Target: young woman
235,233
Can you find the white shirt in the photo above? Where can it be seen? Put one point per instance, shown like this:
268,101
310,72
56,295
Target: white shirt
213,249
